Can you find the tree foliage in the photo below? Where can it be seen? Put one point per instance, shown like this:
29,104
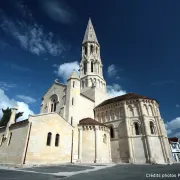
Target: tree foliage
6,116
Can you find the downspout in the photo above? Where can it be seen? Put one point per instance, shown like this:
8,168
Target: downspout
72,147
27,143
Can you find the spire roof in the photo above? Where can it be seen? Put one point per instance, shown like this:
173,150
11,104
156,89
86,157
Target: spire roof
90,34
74,75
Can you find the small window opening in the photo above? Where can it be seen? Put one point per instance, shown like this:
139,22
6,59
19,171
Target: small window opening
49,139
57,140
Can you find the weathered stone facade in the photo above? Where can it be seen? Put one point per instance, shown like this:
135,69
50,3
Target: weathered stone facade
126,128
139,131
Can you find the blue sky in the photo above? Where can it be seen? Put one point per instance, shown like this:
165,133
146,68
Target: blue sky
140,49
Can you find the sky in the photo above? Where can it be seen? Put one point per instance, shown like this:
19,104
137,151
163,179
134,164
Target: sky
40,41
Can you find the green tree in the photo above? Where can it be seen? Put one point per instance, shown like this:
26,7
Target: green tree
6,116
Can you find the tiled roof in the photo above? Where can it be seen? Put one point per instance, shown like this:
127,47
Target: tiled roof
173,139
90,121
128,96
20,123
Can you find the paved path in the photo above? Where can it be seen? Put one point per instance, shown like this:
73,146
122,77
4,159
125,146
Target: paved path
78,172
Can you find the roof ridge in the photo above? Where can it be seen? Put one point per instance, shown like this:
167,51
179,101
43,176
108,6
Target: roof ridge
127,96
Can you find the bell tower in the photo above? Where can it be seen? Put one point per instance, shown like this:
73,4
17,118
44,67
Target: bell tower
91,68
91,73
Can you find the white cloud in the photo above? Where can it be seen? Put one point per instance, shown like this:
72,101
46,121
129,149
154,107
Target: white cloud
169,131
115,90
58,11
31,36
65,70
174,124
177,105
26,99
23,107
177,135
7,102
6,86
113,71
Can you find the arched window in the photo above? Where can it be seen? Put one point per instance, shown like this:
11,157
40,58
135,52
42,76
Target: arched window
49,139
85,67
136,127
131,112
102,117
121,112
104,139
112,115
57,140
151,110
116,114
85,50
10,136
91,49
106,117
151,124
53,103
97,117
92,66
146,110
96,50
136,110
111,132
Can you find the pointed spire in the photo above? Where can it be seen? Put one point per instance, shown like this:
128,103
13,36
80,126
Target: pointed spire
74,75
90,34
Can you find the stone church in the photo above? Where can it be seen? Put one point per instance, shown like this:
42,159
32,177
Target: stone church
80,123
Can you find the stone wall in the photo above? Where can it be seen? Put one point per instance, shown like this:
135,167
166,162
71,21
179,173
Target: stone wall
95,144
38,152
12,151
